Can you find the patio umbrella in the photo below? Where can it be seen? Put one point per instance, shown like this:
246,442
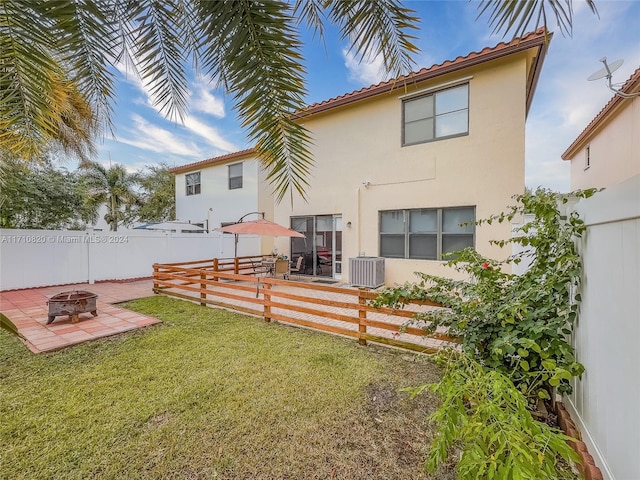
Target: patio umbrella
259,227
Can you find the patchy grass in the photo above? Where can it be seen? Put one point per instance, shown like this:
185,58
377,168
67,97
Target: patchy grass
212,394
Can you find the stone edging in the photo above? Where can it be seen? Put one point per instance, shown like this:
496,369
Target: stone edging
588,466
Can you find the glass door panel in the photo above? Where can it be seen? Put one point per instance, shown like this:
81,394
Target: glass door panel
302,247
337,250
321,248
324,246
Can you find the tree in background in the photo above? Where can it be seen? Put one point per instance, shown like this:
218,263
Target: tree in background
38,195
157,194
252,48
113,187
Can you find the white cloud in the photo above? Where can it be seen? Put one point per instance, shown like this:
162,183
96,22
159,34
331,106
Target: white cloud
204,101
369,71
210,134
201,99
156,139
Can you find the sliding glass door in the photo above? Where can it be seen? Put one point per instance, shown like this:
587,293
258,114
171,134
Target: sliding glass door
321,249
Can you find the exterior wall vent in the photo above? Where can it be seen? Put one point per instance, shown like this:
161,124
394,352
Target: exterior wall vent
366,271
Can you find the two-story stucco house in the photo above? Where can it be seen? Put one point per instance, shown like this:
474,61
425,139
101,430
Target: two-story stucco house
398,166
221,190
607,152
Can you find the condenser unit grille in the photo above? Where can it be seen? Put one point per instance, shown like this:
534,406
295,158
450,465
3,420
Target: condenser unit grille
366,271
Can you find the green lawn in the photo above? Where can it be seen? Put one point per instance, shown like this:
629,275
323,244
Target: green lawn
210,394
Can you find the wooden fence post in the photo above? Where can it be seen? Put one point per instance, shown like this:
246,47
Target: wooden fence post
216,267
236,265
267,299
203,289
362,318
156,288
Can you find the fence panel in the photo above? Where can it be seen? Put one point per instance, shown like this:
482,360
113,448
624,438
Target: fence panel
338,310
36,258
605,402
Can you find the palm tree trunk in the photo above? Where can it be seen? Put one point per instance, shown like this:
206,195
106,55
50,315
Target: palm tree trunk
114,214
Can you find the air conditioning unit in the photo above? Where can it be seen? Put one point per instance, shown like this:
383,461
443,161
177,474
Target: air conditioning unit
366,271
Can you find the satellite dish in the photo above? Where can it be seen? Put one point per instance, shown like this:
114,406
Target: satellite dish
607,71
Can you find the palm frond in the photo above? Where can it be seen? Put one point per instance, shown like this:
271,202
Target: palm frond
76,123
251,47
192,41
520,16
312,13
86,33
378,27
254,50
154,37
27,120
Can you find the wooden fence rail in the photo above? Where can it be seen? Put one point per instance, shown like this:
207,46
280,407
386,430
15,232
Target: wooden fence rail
229,283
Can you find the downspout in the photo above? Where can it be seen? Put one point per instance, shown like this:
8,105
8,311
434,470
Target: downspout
358,221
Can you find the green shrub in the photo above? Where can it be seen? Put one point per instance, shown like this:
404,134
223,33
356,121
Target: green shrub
485,417
517,325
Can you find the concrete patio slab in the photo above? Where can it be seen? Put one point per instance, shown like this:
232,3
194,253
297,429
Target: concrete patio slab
27,310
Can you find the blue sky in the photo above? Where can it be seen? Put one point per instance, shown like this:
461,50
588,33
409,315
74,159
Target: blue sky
564,104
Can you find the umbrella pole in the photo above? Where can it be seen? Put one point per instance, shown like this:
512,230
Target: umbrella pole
235,251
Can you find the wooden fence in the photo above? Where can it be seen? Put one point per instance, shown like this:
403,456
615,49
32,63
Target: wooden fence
231,283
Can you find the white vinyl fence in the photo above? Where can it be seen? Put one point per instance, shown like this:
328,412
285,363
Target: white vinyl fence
606,402
34,258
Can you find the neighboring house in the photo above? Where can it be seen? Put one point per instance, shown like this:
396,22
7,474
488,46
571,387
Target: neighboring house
221,190
607,152
398,166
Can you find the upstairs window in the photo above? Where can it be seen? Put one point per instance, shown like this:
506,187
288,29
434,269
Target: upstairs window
438,115
193,183
426,233
235,176
587,157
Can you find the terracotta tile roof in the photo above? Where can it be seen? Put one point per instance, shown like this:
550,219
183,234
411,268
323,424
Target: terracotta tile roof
540,38
632,85
213,161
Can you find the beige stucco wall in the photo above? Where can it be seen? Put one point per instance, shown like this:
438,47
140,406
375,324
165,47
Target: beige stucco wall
614,151
362,143
266,205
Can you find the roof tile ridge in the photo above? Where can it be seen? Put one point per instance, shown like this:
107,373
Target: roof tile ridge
198,163
460,58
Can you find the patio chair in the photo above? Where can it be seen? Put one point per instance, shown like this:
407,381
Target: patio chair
298,268
259,269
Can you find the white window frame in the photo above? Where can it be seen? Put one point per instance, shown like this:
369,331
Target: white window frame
235,177
587,157
434,95
439,233
195,187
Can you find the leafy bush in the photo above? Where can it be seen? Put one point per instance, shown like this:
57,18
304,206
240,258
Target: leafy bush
484,416
517,325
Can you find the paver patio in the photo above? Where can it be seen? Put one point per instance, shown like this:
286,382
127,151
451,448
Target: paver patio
27,309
